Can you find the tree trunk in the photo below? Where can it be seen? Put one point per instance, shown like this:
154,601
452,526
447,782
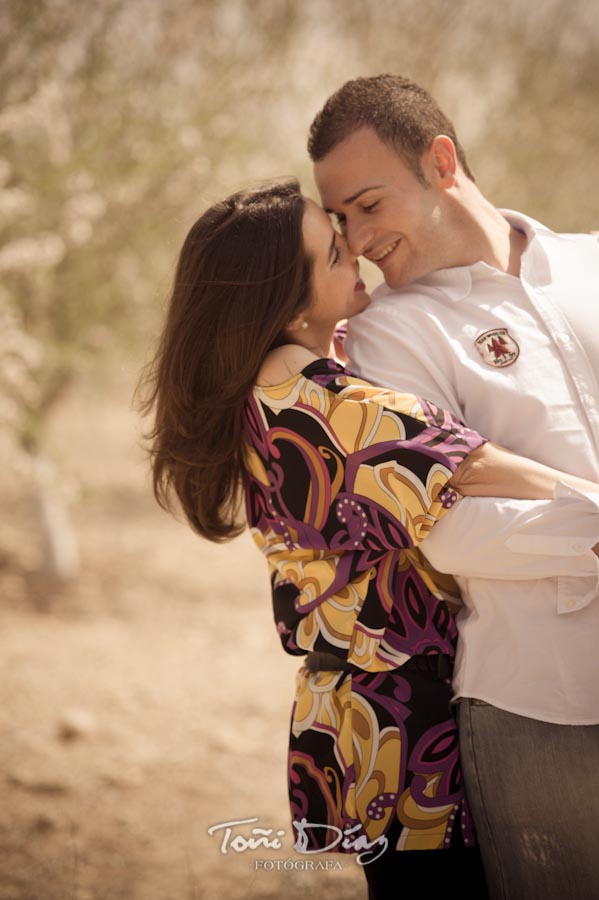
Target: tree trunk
59,544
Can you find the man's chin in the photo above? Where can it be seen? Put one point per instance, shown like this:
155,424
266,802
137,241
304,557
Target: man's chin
396,280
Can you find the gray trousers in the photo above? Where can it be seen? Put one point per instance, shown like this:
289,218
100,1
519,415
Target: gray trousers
533,789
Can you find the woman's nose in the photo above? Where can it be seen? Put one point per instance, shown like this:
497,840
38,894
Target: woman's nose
353,257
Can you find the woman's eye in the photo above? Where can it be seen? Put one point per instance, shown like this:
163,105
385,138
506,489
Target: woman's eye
341,223
371,207
336,255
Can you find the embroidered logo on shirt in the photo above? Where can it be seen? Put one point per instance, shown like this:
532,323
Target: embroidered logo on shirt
497,347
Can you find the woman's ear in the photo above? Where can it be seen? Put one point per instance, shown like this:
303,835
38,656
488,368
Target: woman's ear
297,323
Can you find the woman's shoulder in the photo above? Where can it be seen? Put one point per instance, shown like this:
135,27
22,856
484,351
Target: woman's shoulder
284,363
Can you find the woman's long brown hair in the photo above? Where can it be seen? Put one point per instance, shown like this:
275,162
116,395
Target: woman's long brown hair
242,275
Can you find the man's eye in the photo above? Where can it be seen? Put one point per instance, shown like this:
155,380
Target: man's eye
336,255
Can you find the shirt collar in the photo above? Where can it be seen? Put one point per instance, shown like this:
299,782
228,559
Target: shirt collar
456,282
536,267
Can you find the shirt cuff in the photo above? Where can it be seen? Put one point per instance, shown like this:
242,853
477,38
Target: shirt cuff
573,593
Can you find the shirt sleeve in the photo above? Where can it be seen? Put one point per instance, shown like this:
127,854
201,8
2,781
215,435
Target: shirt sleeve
523,540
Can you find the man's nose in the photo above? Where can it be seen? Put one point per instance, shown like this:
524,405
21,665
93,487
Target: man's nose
358,236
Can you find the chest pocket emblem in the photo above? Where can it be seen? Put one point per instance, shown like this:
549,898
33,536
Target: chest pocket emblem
497,348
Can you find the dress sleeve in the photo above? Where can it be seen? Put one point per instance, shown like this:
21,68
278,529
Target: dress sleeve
400,453
360,467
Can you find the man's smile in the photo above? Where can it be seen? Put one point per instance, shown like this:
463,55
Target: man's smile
377,257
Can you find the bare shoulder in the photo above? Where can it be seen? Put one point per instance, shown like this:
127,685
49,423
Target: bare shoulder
284,363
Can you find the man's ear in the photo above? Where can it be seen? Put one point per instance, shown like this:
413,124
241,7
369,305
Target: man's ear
442,161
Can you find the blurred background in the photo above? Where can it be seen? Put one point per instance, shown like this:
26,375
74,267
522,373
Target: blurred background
144,696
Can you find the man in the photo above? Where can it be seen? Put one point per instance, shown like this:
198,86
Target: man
492,316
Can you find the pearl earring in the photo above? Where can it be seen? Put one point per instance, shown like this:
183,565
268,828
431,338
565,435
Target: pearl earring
305,324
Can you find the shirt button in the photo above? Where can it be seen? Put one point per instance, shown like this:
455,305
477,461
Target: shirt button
563,337
590,400
578,547
571,604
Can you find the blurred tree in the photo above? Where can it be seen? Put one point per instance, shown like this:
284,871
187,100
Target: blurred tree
113,124
121,119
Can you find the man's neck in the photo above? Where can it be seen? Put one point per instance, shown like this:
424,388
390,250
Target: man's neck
485,235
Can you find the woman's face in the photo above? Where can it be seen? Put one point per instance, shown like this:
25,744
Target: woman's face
337,290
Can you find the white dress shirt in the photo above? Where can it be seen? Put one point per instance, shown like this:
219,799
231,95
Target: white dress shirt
514,358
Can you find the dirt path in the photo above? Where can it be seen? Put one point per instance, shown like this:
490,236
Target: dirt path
147,704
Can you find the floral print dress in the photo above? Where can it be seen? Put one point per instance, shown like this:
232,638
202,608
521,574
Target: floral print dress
344,480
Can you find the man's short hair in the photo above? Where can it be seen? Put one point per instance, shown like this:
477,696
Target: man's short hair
401,113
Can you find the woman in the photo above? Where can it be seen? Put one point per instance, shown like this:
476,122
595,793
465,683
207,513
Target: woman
342,481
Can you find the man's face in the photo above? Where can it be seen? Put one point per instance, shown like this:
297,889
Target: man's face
385,212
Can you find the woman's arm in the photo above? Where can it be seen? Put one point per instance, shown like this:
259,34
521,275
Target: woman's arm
493,471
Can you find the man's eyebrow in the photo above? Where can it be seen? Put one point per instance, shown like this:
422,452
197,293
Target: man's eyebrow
359,193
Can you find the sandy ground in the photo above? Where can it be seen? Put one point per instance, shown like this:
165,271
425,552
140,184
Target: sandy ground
147,703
